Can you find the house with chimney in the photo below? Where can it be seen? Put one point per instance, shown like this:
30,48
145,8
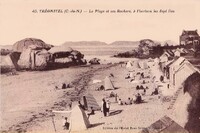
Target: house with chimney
190,37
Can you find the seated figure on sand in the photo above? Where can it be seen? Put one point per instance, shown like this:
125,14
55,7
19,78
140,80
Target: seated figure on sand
137,87
128,76
129,101
120,102
112,94
141,87
155,92
138,98
91,113
100,88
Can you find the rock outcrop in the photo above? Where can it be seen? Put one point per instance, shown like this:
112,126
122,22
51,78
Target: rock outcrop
94,61
66,56
30,43
34,59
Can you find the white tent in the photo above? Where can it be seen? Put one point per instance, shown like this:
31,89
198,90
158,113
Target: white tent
79,120
132,74
135,64
108,84
143,64
129,64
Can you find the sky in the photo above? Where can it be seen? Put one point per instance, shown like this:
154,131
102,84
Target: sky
17,21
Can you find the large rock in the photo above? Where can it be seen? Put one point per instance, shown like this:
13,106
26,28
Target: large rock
77,54
65,56
6,64
42,59
60,52
94,61
34,59
30,43
25,59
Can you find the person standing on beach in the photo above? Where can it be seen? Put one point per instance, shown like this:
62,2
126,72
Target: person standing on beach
70,104
108,107
116,97
144,91
104,109
66,124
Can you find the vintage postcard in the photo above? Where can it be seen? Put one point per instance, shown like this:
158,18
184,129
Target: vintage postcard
100,66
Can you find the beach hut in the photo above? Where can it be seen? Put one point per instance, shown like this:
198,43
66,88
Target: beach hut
177,53
78,119
108,84
156,61
164,57
166,68
164,125
182,73
174,66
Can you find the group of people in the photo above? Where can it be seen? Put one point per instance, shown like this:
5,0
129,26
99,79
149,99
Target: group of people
105,107
141,87
128,102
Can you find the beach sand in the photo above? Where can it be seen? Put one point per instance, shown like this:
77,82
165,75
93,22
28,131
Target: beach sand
29,98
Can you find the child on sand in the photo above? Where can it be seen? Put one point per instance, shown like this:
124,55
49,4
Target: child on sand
66,124
91,113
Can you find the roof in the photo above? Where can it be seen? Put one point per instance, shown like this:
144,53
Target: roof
170,52
164,125
190,32
169,64
185,51
166,53
189,65
178,61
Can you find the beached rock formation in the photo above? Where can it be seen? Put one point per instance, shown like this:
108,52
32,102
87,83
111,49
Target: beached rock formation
34,59
33,54
66,56
56,57
94,61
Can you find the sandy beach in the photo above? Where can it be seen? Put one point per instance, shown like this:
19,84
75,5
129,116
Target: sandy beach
31,110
